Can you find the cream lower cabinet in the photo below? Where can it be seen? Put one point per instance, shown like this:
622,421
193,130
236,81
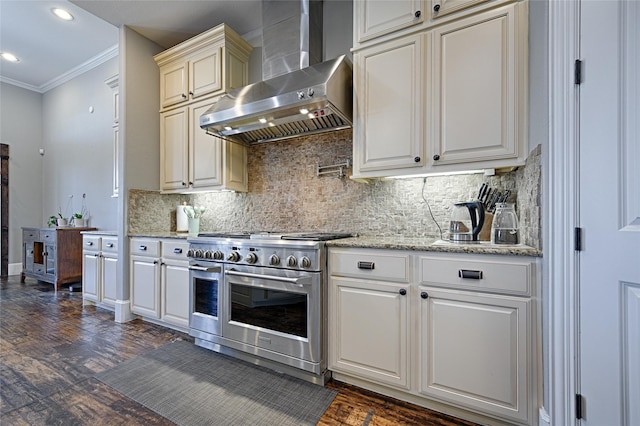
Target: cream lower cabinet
99,269
438,329
474,351
160,281
174,283
145,277
369,315
372,337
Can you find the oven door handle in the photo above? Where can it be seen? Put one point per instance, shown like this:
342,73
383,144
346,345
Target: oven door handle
267,277
204,268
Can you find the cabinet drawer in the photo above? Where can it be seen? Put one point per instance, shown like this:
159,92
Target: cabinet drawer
144,247
110,244
497,275
174,249
30,235
90,243
48,236
371,264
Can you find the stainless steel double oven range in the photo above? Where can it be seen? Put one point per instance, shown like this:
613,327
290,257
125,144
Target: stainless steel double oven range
262,297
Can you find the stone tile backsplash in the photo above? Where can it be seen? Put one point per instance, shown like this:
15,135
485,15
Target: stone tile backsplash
285,194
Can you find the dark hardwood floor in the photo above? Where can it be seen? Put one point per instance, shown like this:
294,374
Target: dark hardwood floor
50,348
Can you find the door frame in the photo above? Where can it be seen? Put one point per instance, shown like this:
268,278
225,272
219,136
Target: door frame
561,266
4,211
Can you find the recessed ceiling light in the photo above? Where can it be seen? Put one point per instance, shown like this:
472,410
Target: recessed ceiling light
9,57
62,14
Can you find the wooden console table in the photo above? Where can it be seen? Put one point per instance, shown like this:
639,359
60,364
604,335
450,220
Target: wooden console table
52,255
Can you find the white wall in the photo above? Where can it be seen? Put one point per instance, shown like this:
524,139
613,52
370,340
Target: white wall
21,129
79,147
139,160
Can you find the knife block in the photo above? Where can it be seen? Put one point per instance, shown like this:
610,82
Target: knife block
485,232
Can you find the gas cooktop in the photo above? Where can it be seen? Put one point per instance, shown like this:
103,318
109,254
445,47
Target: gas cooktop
300,236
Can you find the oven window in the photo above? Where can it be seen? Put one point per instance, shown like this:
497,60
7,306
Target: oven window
206,296
270,309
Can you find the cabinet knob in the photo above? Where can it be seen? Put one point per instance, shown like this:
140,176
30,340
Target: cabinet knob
436,157
191,93
424,295
402,292
184,96
110,245
417,159
184,184
436,8
190,183
89,243
143,248
417,14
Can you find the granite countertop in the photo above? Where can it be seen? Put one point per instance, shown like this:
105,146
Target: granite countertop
100,232
177,235
432,244
396,243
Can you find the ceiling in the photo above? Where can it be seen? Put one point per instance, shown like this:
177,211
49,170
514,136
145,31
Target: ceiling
52,51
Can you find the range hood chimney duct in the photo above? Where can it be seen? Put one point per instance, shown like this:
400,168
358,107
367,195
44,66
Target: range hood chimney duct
299,94
291,36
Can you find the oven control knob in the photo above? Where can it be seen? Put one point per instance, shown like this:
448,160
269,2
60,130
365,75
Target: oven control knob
199,253
217,255
274,260
305,262
234,256
292,261
191,252
252,258
208,254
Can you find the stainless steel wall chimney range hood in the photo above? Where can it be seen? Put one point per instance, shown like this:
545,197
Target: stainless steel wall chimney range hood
294,99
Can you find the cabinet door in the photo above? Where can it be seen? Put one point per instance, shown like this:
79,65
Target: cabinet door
475,351
109,279
145,286
390,106
175,293
445,7
378,17
27,263
173,84
174,148
205,72
368,330
90,276
234,166
479,70
205,156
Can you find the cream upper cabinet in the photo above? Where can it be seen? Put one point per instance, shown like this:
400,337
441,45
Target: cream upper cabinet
480,71
444,7
191,160
390,105
193,75
209,64
447,96
375,18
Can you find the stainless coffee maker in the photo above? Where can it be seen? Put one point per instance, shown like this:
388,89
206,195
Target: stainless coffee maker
466,222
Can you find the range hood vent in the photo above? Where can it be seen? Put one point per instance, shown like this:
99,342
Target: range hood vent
311,100
294,99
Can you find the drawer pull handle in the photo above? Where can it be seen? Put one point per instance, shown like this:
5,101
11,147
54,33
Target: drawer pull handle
110,245
177,250
143,248
366,265
472,275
